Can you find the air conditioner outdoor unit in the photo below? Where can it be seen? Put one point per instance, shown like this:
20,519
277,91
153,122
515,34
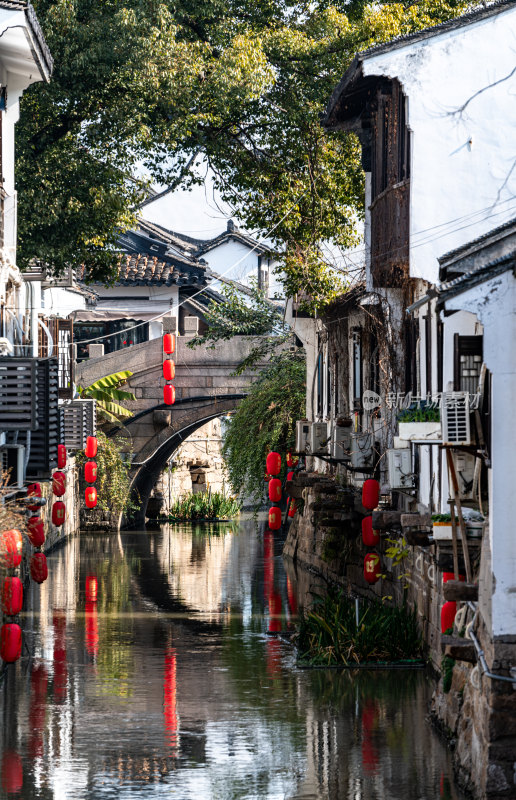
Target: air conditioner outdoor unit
464,464
341,442
13,462
399,465
361,450
455,418
319,438
303,428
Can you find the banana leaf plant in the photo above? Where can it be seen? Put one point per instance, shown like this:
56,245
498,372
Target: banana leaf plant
109,396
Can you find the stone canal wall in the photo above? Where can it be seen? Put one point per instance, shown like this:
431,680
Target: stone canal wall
475,713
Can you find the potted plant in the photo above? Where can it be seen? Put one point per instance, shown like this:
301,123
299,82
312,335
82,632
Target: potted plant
420,422
442,526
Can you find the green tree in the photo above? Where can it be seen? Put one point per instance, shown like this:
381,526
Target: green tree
242,82
264,420
245,314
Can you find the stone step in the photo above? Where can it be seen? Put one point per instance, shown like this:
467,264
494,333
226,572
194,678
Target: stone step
458,648
459,590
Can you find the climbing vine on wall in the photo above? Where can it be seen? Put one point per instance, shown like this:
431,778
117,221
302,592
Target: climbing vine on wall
113,484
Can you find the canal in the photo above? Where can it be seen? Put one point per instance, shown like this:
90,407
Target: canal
174,684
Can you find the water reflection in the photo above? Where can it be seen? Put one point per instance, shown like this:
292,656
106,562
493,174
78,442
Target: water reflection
156,669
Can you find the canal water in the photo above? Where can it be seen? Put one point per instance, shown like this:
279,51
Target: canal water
175,684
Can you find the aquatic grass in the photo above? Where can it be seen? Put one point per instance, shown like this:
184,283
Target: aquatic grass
328,633
204,506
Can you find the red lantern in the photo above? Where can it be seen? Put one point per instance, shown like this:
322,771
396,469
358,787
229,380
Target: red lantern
274,518
169,343
169,370
290,476
36,531
12,596
370,494
448,612
91,589
61,456
273,463
292,461
450,576
169,394
59,484
10,642
370,537
12,772
90,497
11,544
292,508
90,451
58,513
372,569
275,490
38,567
90,471
34,490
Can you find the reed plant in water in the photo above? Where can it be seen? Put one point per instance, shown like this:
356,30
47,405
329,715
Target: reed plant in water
204,506
328,632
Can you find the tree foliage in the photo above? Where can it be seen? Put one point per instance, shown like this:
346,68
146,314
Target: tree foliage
106,391
264,420
156,82
245,314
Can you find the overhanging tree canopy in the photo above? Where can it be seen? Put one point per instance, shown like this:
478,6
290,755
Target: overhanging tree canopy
243,82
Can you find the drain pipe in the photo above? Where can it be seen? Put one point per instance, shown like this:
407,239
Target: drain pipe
481,656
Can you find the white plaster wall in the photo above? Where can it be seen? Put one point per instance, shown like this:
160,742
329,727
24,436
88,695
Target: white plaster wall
60,302
234,260
461,184
494,302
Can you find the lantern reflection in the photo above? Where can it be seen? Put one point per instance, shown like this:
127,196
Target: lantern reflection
268,563
12,772
60,660
370,756
91,628
170,699
37,710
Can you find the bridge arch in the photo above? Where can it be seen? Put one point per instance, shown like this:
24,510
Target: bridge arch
162,445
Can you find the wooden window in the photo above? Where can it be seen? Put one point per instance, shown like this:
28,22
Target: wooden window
467,363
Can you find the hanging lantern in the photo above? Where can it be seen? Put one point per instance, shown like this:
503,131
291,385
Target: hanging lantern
12,596
169,370
370,494
12,772
90,451
38,567
58,513
169,343
273,464
90,471
370,537
11,544
292,508
372,569
10,642
448,612
292,461
290,476
169,394
34,490
274,518
36,531
275,490
90,497
450,576
61,456
91,589
59,484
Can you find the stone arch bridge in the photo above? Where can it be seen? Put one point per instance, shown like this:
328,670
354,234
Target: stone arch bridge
205,389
